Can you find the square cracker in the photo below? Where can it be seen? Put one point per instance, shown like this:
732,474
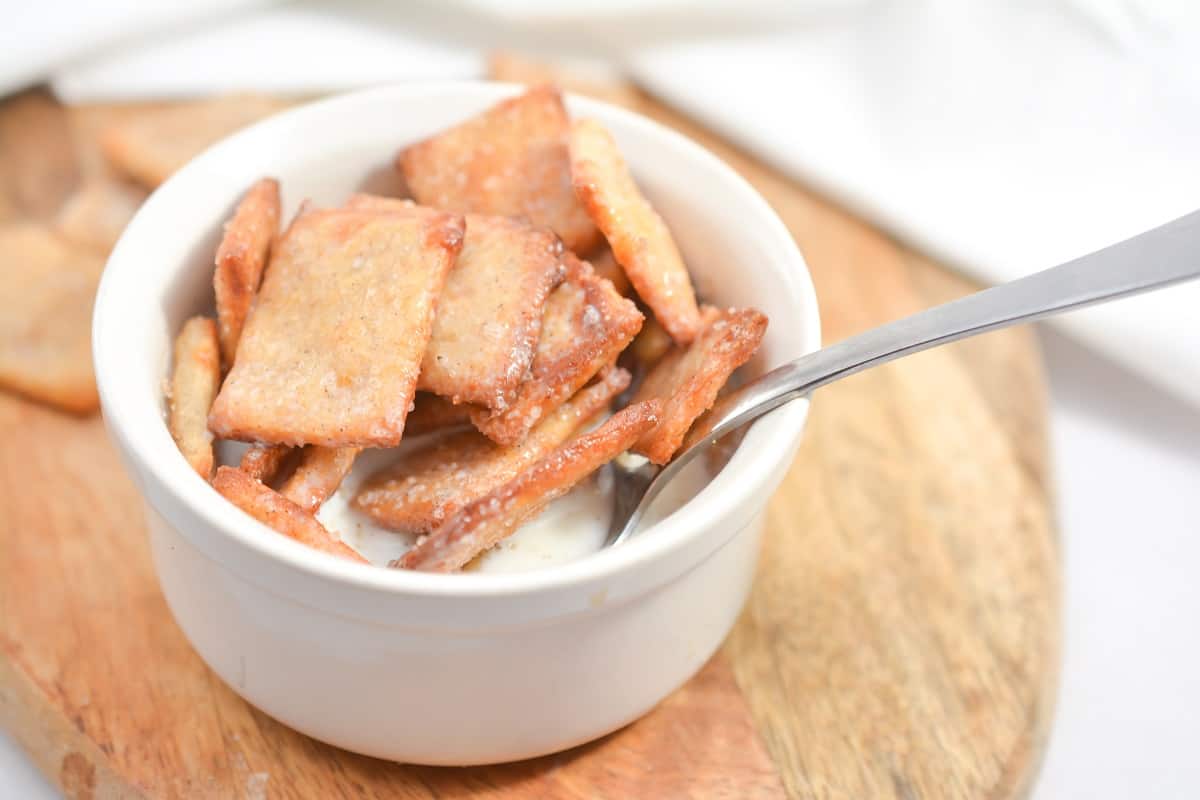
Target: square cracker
482,523
511,160
194,382
332,348
639,238
687,379
489,314
241,257
97,213
150,145
586,325
46,299
276,511
427,485
318,474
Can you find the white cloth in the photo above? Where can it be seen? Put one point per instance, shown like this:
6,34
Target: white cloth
1004,138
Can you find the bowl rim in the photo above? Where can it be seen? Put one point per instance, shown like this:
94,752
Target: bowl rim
142,444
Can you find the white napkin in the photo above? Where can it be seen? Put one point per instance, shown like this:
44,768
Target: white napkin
1002,138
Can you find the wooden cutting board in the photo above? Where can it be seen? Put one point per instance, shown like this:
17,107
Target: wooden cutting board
901,640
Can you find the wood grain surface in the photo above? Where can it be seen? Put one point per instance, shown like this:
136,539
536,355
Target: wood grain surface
901,640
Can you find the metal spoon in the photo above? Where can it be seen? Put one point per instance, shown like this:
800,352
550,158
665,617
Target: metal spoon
1160,257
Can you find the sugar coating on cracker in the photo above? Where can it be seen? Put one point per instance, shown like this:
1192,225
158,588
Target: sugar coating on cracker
586,324
640,240
332,348
484,522
427,485
318,474
194,381
241,258
687,379
511,160
276,511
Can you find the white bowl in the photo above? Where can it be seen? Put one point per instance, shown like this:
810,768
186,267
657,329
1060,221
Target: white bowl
426,668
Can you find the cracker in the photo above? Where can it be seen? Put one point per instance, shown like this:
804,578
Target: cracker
687,379
194,383
318,475
485,521
427,485
241,257
151,145
276,511
638,236
606,266
332,347
489,314
46,300
510,161
264,461
97,213
433,413
586,324
649,346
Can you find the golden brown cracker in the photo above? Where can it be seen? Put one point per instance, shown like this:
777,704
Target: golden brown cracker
264,461
636,233
194,382
485,521
586,324
46,298
241,257
318,475
97,213
333,345
510,161
489,315
649,346
687,379
606,266
151,145
276,511
433,413
427,485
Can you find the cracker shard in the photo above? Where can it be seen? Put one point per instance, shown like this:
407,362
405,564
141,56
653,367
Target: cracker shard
152,144
276,511
318,475
511,160
433,413
97,213
489,519
264,461
687,379
46,316
489,314
426,486
585,326
194,382
241,257
639,238
333,345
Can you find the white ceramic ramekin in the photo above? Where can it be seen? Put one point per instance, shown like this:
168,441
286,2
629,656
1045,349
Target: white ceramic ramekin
441,669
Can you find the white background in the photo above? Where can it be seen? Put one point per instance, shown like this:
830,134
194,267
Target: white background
1002,137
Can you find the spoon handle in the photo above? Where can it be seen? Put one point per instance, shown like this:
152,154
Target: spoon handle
1160,257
